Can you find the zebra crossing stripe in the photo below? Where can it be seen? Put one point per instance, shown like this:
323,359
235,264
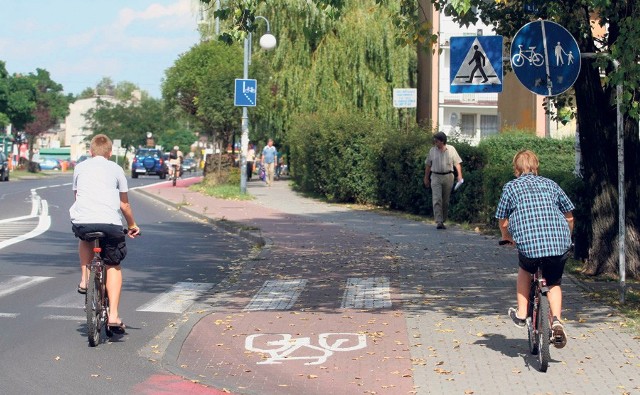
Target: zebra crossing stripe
8,315
17,283
79,318
178,299
276,295
367,293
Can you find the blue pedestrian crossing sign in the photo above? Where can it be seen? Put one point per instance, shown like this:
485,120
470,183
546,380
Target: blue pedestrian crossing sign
476,64
245,93
545,57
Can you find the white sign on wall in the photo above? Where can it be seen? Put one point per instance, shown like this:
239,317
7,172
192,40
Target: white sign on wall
405,97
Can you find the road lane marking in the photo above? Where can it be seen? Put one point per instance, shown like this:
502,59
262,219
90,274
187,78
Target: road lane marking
178,299
18,283
80,318
39,210
8,315
71,300
277,295
367,293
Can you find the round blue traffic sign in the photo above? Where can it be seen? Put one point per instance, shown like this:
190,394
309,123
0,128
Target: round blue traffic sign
545,57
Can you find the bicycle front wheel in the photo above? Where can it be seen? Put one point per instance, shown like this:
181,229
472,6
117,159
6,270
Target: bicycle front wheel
93,308
544,333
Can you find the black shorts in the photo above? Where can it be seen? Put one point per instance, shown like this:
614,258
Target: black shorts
552,266
114,247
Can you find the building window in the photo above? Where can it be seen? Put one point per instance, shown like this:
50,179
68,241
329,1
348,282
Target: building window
468,124
488,125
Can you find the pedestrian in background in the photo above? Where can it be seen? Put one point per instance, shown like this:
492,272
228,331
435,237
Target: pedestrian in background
438,174
269,155
251,158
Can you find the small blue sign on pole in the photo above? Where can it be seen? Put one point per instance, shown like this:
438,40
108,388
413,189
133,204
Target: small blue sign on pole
245,93
476,64
545,57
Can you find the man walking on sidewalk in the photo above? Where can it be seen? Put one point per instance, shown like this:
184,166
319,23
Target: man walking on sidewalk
269,154
438,174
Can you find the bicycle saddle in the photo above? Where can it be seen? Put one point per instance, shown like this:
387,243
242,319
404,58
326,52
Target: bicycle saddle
91,236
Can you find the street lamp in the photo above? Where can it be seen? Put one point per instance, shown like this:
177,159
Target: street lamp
267,42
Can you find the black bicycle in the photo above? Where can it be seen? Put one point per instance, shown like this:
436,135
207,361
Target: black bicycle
97,300
539,318
175,173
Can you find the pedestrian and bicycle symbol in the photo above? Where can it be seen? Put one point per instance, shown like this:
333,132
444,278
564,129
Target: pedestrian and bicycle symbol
283,347
545,58
476,64
245,93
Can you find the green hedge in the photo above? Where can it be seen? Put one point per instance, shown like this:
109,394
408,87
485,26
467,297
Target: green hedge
354,158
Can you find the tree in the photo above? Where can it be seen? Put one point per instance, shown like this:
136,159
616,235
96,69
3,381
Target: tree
331,56
598,232
130,121
17,99
201,84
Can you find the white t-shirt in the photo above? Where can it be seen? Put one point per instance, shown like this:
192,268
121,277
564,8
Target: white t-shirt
98,183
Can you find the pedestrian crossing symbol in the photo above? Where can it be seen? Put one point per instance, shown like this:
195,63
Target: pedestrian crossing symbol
476,64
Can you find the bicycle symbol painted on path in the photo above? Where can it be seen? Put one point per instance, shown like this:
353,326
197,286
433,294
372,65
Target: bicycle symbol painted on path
533,57
284,347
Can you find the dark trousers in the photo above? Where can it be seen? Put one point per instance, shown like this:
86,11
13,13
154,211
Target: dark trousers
249,170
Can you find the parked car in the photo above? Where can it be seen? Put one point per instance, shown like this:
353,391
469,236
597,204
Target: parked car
4,167
49,164
149,161
189,164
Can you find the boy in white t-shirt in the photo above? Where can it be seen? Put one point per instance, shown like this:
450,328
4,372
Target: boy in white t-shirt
100,189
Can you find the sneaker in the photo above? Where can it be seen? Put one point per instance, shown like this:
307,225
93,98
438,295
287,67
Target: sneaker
559,336
517,321
441,226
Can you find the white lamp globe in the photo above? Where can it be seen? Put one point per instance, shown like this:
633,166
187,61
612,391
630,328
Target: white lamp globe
268,41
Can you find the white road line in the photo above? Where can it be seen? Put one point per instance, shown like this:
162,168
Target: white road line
39,209
178,299
8,315
367,293
20,282
66,317
71,300
277,295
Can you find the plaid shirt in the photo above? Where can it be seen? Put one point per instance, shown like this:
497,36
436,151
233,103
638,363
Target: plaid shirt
535,208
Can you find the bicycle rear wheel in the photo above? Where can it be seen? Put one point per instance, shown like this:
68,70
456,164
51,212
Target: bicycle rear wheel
93,308
544,333
532,314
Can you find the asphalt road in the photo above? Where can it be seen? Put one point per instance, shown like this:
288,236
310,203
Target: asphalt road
42,326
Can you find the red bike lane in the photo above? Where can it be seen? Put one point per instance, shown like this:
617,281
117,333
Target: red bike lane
295,352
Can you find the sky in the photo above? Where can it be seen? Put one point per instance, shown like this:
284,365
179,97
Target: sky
81,41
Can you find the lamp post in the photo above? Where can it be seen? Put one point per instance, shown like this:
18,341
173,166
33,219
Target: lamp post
267,42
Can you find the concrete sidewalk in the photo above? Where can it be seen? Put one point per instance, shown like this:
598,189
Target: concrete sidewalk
341,300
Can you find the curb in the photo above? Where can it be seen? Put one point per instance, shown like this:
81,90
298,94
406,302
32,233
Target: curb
253,235
174,347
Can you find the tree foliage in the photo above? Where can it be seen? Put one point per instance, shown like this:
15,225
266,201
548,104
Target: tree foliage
130,121
201,85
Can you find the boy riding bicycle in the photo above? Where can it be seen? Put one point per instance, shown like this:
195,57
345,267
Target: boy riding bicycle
100,189
534,213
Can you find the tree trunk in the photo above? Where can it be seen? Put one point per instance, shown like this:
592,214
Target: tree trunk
597,227
425,68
